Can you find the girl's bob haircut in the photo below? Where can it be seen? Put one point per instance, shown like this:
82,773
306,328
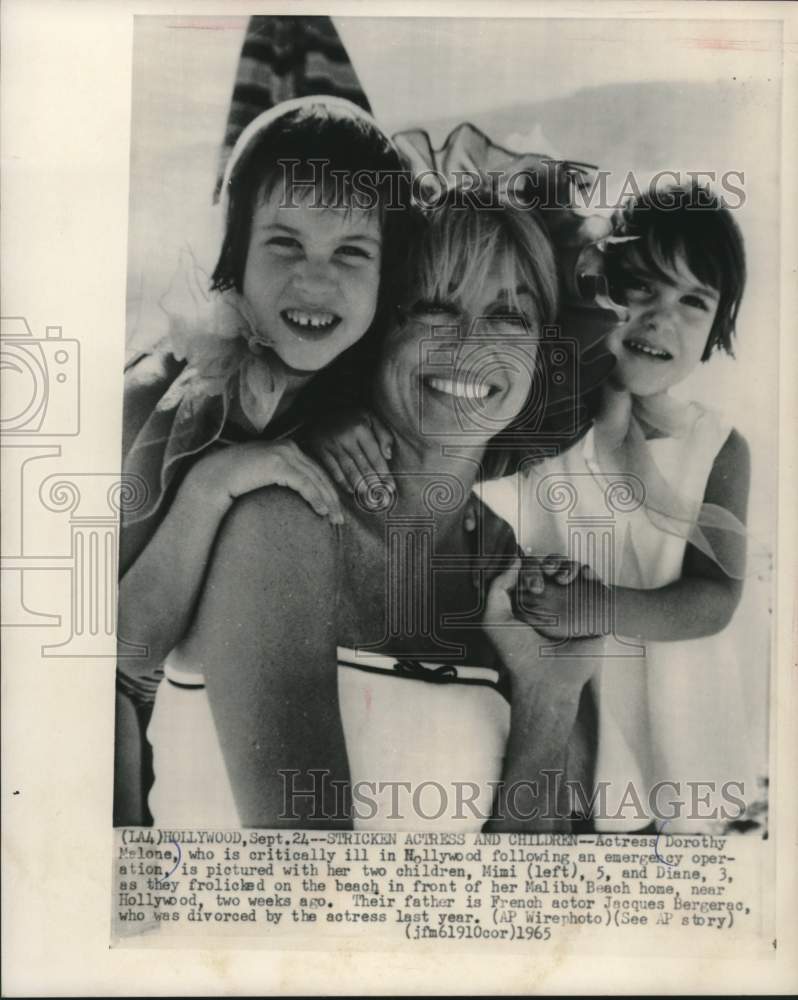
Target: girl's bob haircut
331,154
689,222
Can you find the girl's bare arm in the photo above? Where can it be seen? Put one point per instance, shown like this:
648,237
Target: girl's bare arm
700,603
703,600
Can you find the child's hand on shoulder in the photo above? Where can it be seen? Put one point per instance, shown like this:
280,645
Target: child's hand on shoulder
355,450
231,472
559,597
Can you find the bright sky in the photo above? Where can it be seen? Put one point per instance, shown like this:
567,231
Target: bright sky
456,66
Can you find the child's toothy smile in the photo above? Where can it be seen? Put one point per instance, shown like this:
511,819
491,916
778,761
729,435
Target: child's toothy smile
639,346
310,320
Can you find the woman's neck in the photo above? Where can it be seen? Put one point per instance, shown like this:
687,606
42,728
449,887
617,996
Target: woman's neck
429,483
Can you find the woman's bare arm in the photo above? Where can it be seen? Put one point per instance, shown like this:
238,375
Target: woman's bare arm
159,591
265,635
545,701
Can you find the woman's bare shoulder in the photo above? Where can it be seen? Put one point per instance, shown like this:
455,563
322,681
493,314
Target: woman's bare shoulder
276,524
273,567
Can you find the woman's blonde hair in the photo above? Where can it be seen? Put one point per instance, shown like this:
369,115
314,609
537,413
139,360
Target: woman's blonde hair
463,242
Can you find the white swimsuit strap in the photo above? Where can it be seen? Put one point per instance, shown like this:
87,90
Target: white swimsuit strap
175,672
348,657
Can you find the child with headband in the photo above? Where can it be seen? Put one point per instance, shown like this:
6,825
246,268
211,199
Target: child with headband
313,204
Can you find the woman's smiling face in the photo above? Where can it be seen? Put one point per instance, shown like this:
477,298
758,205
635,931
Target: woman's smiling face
453,373
312,277
670,319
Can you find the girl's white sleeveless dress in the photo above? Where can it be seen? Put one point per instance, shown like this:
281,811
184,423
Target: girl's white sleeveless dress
670,712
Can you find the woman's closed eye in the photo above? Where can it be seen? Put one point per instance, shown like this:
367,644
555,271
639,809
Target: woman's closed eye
506,314
434,307
353,253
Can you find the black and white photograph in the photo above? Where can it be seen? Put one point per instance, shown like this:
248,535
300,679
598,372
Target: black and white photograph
450,479
397,515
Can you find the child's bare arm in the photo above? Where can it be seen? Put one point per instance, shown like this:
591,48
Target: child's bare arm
353,449
559,597
563,604
700,603
158,592
704,599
